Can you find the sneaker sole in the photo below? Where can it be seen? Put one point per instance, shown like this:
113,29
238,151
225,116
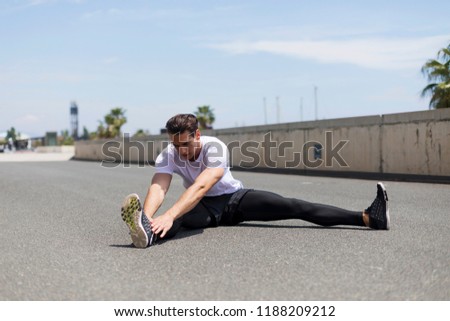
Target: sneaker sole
132,216
388,219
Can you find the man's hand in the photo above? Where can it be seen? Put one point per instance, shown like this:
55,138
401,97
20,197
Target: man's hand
188,200
162,224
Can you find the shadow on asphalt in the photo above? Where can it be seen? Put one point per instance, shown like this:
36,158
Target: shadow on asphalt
362,228
183,233
131,246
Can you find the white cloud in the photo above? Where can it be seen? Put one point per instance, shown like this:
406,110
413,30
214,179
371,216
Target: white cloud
28,4
138,15
23,76
28,119
92,14
376,53
114,13
38,2
395,94
110,60
161,15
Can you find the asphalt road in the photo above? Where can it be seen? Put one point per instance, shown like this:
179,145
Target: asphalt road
62,238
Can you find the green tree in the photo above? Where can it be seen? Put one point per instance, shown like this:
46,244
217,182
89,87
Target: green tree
101,130
65,138
437,72
86,134
141,133
12,134
205,116
115,120
112,124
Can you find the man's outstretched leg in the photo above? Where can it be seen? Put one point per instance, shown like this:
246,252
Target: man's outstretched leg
137,222
266,206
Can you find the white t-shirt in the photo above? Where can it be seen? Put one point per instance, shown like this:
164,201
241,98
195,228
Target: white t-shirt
213,154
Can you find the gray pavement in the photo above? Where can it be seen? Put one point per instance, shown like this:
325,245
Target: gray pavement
62,239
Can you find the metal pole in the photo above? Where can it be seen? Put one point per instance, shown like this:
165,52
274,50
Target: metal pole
315,102
301,108
265,111
278,109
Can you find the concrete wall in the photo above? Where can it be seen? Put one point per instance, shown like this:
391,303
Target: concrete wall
416,143
55,149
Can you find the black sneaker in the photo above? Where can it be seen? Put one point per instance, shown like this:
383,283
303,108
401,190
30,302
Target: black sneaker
379,211
138,223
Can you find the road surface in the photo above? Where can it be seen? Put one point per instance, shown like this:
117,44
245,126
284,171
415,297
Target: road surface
62,238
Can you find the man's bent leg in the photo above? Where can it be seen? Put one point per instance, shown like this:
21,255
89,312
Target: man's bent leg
174,229
197,218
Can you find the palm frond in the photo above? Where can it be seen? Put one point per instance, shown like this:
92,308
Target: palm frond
437,72
428,90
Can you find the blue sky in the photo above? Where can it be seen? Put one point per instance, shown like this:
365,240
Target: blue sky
159,58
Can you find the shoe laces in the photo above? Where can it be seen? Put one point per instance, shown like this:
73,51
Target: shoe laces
152,238
375,207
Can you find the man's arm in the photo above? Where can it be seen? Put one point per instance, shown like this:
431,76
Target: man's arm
156,193
188,200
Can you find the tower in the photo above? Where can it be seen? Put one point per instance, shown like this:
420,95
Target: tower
74,120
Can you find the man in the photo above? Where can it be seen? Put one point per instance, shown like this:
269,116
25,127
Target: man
213,197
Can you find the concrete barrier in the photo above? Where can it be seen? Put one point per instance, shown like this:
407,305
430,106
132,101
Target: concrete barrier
55,149
414,144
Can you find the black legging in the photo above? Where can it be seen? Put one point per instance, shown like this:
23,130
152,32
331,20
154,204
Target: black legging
206,213
267,206
258,205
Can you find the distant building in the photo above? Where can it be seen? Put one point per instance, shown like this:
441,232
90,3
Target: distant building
3,142
51,139
74,120
23,141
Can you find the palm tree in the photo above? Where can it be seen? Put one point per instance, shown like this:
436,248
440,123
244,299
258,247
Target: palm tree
113,122
141,133
101,130
438,73
205,117
86,134
12,134
65,138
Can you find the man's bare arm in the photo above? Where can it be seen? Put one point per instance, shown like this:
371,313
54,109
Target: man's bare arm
188,200
156,193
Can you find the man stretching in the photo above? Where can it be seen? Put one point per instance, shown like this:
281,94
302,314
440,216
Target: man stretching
214,197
